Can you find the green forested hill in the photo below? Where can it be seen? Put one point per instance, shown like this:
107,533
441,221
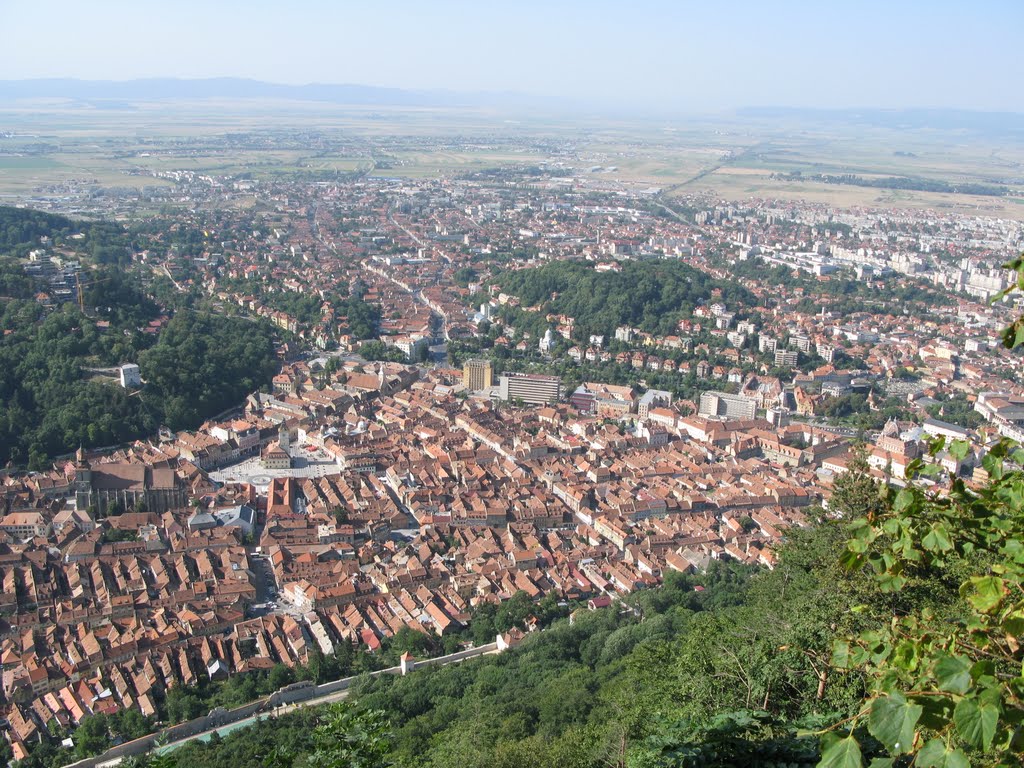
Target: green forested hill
49,405
21,229
50,401
204,364
649,295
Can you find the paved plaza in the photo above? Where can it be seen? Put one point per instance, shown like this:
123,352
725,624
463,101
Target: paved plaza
307,461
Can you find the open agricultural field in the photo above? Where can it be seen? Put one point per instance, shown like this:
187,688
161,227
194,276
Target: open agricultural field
59,145
29,175
659,165
916,154
740,184
50,146
769,169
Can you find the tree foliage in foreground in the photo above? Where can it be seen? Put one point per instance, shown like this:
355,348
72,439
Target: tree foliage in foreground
947,687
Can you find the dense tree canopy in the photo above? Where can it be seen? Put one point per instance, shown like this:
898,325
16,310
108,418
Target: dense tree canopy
53,397
21,230
48,403
653,296
204,364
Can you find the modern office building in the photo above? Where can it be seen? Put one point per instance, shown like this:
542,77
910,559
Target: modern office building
530,388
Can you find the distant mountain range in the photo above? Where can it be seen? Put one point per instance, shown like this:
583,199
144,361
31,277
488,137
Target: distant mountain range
1004,123
122,93
240,88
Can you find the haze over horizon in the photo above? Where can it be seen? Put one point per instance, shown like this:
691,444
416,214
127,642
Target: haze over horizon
651,55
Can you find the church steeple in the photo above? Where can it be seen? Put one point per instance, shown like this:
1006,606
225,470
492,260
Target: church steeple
83,480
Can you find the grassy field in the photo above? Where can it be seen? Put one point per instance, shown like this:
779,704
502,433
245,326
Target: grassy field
27,175
34,163
741,184
868,154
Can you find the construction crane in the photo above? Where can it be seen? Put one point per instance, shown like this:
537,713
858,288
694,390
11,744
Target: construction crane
80,293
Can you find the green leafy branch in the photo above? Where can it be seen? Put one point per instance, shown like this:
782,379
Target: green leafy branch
947,689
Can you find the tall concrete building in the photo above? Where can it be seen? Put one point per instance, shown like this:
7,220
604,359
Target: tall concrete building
786,358
477,375
723,404
530,388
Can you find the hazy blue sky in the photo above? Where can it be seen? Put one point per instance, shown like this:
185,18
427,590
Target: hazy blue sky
649,53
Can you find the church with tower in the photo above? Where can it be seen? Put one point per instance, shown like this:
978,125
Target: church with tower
115,487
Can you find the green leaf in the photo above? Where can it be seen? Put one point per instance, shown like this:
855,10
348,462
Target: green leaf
889,583
1013,624
993,464
953,674
906,656
858,545
959,449
983,670
882,762
861,529
841,654
937,539
988,593
850,560
904,499
975,722
938,712
892,721
843,753
935,754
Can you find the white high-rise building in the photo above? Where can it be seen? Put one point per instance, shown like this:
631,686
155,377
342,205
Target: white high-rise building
530,388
